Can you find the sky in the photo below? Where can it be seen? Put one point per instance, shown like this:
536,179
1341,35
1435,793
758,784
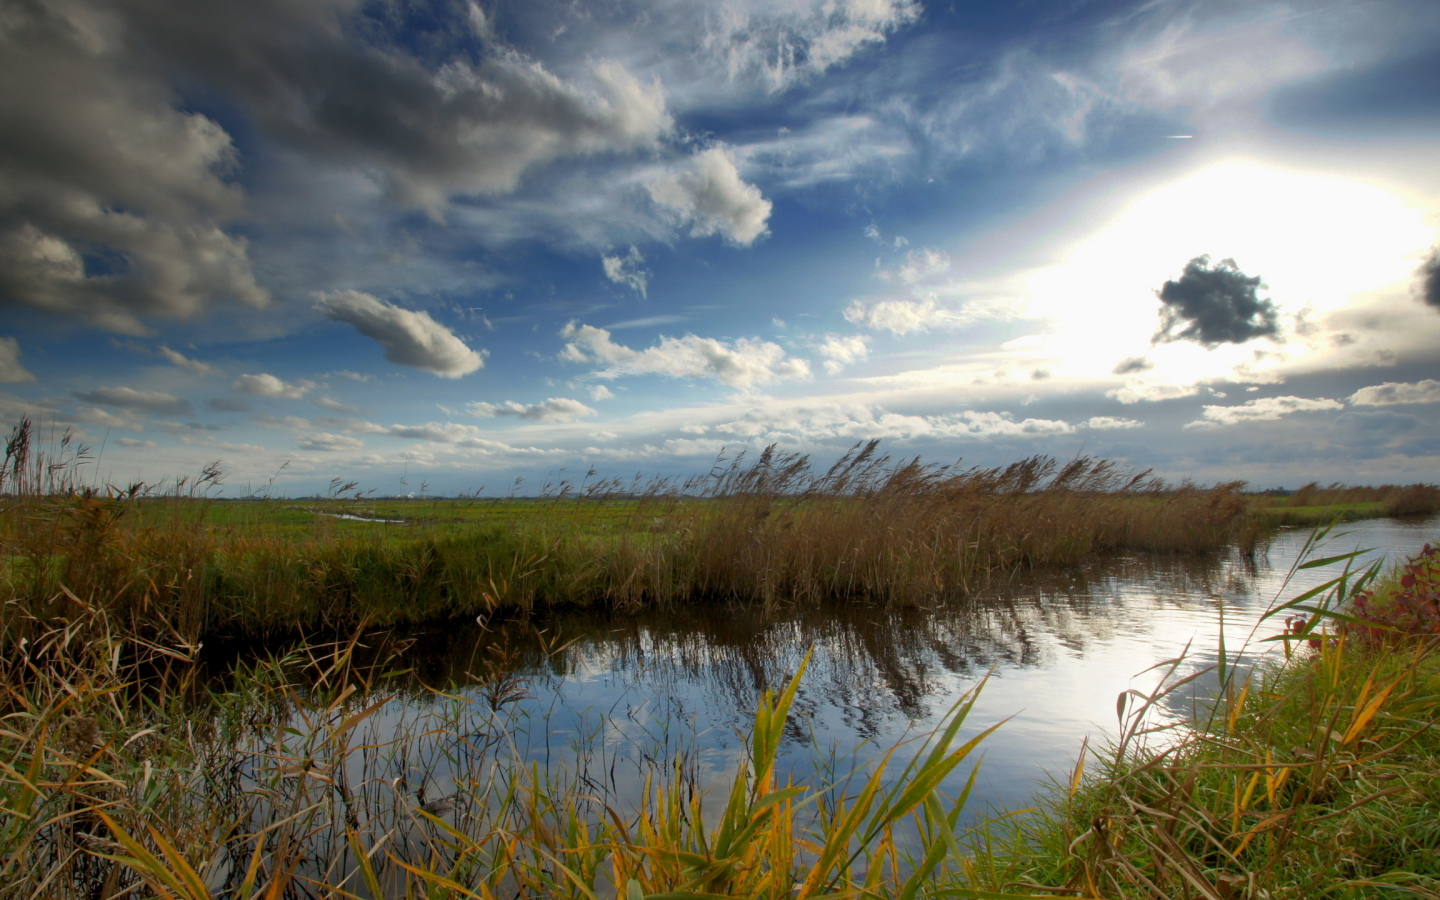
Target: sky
479,245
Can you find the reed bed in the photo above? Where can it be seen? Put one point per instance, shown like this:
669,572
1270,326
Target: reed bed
306,777
1316,777
766,529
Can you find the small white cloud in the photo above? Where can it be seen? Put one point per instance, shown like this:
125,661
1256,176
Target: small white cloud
628,270
601,392
1393,393
923,263
708,192
742,363
134,444
10,369
902,316
354,376
1107,423
839,352
129,398
324,442
264,385
1263,409
555,409
1138,390
410,337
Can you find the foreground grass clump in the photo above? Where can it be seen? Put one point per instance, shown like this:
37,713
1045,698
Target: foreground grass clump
121,779
1319,777
771,529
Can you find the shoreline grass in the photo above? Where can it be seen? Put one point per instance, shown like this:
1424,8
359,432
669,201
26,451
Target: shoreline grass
306,777
771,529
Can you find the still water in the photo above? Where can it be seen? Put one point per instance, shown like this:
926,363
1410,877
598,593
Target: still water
1059,648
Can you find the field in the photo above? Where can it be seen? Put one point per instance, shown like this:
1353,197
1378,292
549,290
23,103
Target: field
767,529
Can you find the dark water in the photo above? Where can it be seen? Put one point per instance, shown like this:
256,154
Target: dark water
1060,647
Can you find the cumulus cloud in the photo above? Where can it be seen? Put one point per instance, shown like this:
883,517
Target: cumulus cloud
1263,409
1430,279
264,385
555,409
901,316
194,366
1138,390
1397,393
628,270
427,131
11,370
1110,423
1133,365
324,442
130,398
1214,305
840,352
862,422
98,164
410,337
742,363
708,192
601,392
921,264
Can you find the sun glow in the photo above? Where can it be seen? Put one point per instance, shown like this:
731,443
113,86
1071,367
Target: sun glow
1318,241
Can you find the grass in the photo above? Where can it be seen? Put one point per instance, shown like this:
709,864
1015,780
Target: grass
1317,777
768,529
123,775
1315,506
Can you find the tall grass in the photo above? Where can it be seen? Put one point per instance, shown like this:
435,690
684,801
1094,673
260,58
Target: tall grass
1310,778
286,784
768,529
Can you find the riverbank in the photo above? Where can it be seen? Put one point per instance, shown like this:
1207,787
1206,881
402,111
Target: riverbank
1312,777
768,530
310,774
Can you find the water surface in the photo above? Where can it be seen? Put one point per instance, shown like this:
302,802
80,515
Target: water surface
1059,648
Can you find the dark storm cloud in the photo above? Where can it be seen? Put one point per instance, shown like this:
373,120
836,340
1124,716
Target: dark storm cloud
1429,275
118,204
1214,305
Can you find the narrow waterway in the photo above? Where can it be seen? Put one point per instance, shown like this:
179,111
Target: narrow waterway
1059,647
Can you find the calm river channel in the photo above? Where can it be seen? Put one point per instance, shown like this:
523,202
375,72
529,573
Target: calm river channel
1061,647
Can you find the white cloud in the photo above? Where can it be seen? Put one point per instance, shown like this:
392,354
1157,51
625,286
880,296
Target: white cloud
820,422
902,316
921,264
130,398
627,270
134,444
264,385
839,352
601,392
708,192
1137,390
11,371
1107,423
1393,393
742,363
555,409
410,337
1263,409
334,405
325,442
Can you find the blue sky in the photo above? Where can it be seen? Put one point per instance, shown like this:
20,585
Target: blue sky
459,243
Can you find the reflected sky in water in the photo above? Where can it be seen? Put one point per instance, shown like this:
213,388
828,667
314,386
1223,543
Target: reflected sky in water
1061,645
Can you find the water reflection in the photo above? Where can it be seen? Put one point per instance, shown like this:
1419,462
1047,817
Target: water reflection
1061,645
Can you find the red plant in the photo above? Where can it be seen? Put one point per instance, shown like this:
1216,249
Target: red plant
1408,606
